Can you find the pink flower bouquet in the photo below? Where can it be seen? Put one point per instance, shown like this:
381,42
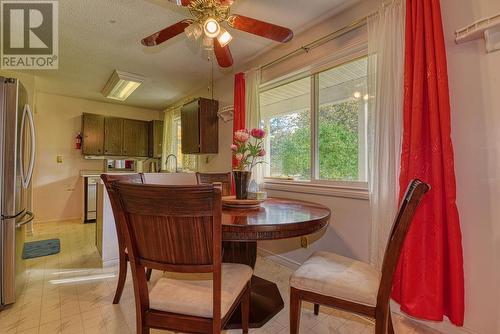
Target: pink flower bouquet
248,148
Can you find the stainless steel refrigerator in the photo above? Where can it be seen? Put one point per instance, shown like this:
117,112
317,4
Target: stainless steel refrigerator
17,159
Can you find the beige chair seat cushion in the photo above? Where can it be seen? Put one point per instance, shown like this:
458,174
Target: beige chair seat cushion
340,277
191,294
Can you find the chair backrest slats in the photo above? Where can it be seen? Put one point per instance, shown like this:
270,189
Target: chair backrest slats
210,178
172,226
412,198
184,240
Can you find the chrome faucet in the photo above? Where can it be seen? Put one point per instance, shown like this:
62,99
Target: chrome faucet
176,163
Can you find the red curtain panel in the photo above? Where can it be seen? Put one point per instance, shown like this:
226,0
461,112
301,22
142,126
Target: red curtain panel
429,281
239,121
239,105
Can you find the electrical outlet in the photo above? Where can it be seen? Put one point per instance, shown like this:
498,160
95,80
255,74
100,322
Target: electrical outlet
59,159
304,242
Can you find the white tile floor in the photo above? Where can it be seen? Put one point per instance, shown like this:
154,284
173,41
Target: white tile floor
70,293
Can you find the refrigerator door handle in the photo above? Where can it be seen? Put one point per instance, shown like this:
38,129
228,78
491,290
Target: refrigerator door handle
29,115
14,216
30,215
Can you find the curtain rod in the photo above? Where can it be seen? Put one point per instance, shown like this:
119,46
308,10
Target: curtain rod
320,41
331,36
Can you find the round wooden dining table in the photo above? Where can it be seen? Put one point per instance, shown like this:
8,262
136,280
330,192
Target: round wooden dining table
276,218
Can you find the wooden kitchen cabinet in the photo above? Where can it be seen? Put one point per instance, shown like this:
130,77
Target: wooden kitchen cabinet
155,139
200,127
135,138
113,136
92,134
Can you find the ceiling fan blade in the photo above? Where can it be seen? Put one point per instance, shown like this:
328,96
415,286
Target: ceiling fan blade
186,3
260,28
223,55
225,2
181,2
166,34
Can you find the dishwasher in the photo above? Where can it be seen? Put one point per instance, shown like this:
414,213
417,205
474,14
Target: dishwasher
90,199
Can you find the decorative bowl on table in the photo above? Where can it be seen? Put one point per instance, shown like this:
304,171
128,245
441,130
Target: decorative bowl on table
232,203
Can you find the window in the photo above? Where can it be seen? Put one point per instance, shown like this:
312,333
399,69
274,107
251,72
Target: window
186,162
288,122
317,125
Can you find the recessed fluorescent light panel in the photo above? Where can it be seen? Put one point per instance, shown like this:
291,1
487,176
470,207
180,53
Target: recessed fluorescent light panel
121,85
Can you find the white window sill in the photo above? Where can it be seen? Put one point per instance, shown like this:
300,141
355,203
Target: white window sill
354,190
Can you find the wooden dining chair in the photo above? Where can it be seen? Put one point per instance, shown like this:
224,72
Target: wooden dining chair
178,229
108,180
210,178
340,282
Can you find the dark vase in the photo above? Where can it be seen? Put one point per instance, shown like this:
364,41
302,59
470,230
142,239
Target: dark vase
241,181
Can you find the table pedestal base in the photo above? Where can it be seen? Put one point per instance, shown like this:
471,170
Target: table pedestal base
265,303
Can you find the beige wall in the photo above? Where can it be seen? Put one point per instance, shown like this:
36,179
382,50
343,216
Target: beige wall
58,187
475,87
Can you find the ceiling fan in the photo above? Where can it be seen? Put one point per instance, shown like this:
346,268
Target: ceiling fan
208,15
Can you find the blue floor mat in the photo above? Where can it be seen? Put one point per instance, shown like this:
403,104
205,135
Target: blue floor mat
41,248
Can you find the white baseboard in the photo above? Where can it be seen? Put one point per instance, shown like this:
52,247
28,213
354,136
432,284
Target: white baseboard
110,263
284,261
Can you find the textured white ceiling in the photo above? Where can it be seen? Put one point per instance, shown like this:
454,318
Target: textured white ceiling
91,46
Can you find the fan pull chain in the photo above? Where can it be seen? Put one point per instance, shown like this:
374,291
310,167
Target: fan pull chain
211,84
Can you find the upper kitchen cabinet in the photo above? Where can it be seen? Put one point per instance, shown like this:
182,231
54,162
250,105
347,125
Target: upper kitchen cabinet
155,139
200,127
113,136
135,138
93,134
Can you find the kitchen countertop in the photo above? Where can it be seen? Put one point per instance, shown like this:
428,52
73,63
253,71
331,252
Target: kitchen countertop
97,173
90,173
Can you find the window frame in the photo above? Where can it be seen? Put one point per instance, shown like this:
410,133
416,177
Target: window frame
337,188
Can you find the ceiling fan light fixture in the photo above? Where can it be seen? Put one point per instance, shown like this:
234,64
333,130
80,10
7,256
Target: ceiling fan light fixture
224,37
211,28
194,31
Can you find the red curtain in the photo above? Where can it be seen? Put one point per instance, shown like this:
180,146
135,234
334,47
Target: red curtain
239,105
429,281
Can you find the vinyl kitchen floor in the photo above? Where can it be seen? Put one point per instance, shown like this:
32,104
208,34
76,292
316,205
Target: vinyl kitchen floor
70,293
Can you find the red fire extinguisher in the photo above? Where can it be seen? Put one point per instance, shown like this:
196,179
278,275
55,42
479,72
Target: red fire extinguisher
78,142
